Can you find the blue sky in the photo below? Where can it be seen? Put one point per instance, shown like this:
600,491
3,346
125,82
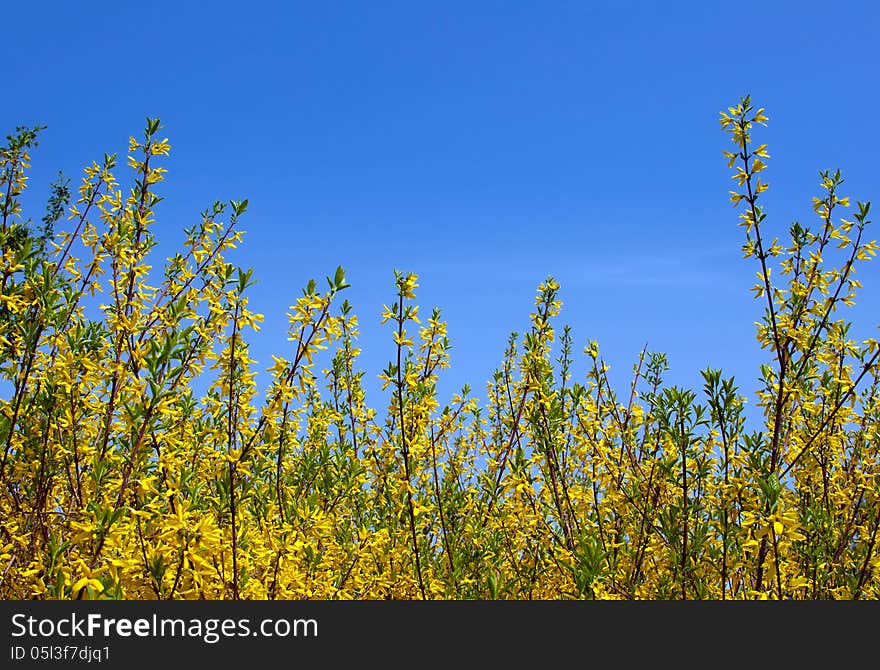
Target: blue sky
483,145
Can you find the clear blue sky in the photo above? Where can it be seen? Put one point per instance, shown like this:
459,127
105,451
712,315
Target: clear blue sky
483,145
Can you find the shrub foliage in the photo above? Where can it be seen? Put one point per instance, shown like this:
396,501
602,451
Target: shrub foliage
118,481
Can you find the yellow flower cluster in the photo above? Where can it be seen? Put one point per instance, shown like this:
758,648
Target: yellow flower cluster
118,481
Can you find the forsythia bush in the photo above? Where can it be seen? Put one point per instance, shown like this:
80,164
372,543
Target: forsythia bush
116,481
